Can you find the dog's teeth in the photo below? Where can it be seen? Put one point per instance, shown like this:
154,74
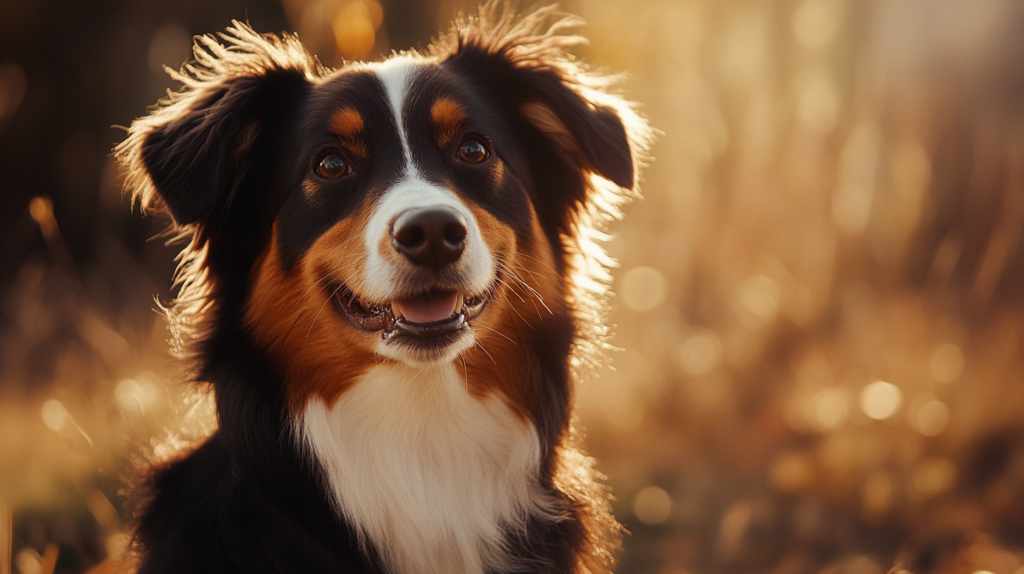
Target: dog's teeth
395,310
459,301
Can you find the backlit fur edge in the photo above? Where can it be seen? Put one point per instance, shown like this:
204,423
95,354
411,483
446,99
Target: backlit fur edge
535,41
528,41
241,52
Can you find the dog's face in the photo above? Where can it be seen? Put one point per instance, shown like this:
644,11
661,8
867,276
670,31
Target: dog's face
407,210
415,210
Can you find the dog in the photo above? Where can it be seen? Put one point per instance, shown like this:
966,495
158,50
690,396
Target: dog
390,281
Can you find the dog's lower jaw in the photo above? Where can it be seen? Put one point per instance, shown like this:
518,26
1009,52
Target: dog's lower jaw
406,352
430,475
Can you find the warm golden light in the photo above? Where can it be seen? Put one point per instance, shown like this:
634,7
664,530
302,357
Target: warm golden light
818,105
880,400
792,472
946,363
643,288
652,505
828,409
699,353
41,210
834,197
816,22
855,190
758,301
932,477
928,415
55,415
355,26
877,495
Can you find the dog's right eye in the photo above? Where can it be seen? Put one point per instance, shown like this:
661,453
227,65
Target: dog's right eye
332,166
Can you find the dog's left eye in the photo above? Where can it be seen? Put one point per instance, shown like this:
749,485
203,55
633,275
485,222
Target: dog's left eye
473,151
332,166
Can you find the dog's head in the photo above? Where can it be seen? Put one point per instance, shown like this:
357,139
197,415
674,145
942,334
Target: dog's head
408,210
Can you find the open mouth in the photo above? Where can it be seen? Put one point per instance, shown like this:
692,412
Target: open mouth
427,315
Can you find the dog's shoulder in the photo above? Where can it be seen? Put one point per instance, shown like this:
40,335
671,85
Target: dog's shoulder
205,515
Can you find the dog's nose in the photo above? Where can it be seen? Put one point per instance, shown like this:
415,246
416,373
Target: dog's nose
430,236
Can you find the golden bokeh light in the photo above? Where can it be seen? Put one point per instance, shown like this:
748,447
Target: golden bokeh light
758,300
818,102
699,353
55,415
355,26
928,415
643,288
652,505
828,409
855,190
41,211
880,400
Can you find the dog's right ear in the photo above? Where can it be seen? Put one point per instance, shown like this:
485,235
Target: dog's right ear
193,153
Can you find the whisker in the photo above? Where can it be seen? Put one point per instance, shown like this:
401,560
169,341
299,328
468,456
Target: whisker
486,353
328,300
516,311
500,333
510,288
526,269
327,276
515,291
306,292
535,296
532,290
547,266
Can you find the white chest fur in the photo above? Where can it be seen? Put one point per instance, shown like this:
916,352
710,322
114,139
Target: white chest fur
429,474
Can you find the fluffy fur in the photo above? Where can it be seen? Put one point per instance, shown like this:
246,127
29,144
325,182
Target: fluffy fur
351,437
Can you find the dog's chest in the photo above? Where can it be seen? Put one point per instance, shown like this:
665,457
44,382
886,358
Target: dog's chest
430,475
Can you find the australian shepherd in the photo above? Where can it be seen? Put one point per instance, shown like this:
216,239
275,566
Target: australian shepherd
390,282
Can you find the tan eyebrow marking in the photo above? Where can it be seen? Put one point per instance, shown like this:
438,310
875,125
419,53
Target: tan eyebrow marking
347,124
448,117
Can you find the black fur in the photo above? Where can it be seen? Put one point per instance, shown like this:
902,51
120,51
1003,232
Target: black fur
226,165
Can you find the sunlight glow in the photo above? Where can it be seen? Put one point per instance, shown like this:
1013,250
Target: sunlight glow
880,400
643,288
946,363
652,505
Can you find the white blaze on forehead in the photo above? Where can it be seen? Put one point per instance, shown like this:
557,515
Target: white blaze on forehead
383,278
396,74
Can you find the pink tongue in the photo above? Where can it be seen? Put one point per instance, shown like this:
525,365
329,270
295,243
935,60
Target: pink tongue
428,308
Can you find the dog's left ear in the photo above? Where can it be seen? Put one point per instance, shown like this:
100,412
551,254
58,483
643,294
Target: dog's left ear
192,155
592,134
569,125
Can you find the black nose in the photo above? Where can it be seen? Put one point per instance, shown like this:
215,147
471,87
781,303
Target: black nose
430,236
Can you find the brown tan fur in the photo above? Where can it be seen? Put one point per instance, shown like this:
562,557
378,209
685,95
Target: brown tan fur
289,312
499,363
347,124
448,117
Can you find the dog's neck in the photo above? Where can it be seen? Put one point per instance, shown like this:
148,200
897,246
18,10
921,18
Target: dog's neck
428,474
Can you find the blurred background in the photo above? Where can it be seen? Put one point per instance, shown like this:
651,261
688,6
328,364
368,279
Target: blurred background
818,305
